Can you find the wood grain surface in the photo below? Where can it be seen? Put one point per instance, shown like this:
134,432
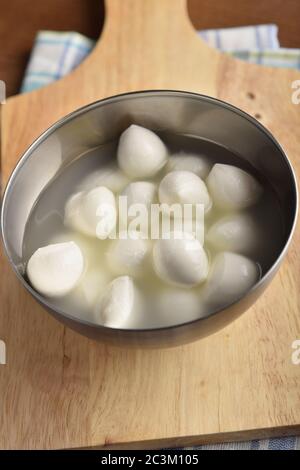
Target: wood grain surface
61,390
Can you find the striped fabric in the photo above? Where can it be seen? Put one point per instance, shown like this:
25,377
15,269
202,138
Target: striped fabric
259,37
286,443
287,58
55,54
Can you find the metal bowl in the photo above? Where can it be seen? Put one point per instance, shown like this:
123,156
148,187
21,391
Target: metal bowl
99,122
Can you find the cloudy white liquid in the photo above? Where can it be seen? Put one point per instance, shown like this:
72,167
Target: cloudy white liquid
159,304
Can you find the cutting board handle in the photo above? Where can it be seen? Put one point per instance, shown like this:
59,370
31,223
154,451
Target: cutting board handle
139,19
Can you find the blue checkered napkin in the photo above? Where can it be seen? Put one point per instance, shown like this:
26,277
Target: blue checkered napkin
285,443
287,58
259,37
54,54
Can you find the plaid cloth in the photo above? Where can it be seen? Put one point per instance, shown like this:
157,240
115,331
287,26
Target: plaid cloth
55,54
263,36
287,58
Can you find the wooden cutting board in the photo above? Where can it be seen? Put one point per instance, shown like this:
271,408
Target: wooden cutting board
59,389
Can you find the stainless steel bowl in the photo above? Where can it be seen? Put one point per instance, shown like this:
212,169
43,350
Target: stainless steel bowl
102,121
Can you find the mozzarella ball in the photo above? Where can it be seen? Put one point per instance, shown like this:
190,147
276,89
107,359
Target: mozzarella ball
238,232
232,188
162,226
92,251
140,197
141,153
184,187
195,227
95,276
109,176
130,255
230,277
180,260
182,161
117,304
92,213
175,306
140,192
91,285
54,270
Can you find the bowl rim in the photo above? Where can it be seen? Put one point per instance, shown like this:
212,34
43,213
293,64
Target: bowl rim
123,96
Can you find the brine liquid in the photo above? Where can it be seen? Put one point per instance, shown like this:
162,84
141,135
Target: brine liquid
161,305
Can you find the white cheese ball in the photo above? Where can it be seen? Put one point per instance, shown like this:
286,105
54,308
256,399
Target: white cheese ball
232,188
141,153
175,306
140,192
140,197
130,255
91,285
180,260
55,270
117,304
162,226
184,187
197,164
196,228
235,232
92,213
231,276
109,176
